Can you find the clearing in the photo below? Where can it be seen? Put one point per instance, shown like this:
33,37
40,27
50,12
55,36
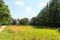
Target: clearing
28,33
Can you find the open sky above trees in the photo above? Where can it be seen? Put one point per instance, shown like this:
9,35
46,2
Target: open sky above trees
25,8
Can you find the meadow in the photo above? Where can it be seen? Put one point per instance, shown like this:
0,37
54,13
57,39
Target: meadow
28,33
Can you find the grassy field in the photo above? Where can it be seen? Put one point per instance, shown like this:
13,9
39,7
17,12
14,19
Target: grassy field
29,33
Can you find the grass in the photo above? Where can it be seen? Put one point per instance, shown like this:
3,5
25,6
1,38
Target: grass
29,33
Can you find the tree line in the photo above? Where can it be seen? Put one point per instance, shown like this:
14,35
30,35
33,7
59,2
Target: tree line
6,19
23,21
48,16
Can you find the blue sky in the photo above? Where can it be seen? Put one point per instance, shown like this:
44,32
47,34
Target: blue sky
25,8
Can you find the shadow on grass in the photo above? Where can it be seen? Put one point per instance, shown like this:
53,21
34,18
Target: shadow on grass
44,27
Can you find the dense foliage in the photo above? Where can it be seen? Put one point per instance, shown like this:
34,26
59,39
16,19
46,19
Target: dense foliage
13,22
5,16
50,14
23,21
33,21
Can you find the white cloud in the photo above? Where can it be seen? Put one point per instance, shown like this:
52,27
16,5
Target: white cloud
28,9
19,3
41,5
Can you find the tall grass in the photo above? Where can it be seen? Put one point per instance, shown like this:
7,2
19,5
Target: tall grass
29,33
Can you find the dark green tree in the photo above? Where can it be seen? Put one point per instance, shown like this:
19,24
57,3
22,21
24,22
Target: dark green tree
24,21
50,14
13,22
54,13
33,21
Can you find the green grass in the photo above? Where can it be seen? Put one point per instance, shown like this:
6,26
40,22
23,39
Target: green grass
29,33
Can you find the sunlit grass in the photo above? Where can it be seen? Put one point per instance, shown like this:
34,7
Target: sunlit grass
29,33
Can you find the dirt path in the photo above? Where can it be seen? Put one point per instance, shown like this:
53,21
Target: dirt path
2,28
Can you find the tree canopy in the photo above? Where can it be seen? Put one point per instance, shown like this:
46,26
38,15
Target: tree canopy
50,14
5,16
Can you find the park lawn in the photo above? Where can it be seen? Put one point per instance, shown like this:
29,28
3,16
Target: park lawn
29,33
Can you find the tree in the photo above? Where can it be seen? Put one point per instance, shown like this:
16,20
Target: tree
13,22
5,16
24,21
42,17
33,21
50,14
53,12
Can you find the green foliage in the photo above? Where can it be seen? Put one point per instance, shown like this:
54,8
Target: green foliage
5,16
24,21
13,22
33,21
50,14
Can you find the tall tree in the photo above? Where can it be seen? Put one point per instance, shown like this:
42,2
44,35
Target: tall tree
5,16
50,15
53,12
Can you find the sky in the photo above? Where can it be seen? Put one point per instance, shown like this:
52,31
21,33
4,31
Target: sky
25,8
